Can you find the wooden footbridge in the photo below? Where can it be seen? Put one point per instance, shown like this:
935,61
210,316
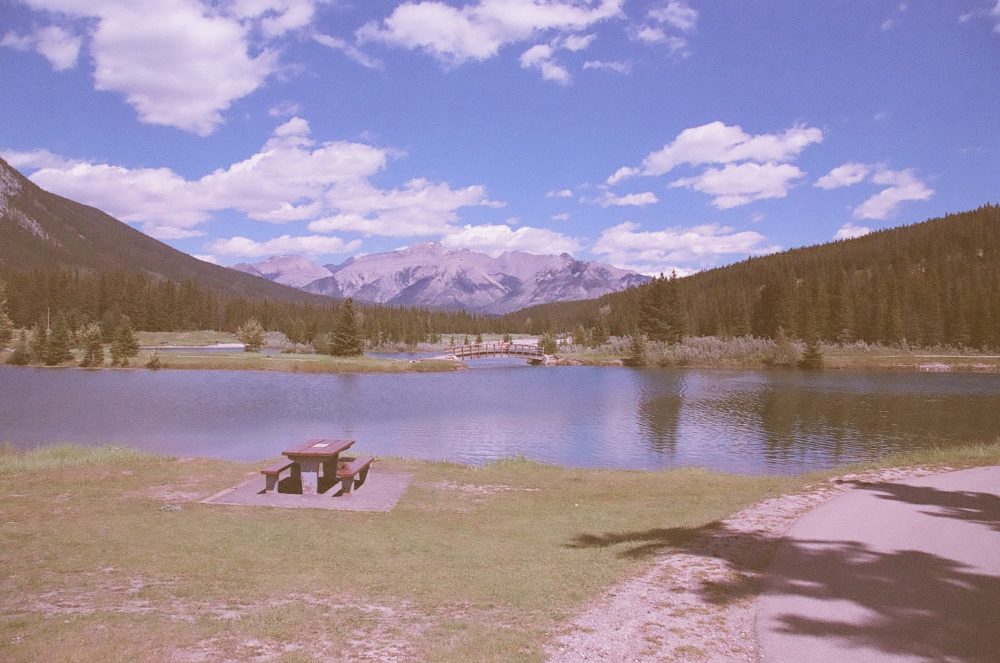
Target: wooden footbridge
529,351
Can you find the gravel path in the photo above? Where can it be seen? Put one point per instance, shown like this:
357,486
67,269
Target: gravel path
697,601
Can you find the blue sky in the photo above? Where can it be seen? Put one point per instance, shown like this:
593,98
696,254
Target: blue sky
654,135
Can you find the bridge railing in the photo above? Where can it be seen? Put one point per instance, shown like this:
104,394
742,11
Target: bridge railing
495,348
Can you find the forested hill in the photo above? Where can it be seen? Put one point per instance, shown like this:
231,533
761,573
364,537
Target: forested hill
42,231
935,282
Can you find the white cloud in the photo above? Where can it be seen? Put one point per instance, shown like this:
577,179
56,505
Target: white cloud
991,14
677,14
738,184
60,47
348,49
495,239
283,245
562,216
608,199
717,142
35,159
204,257
284,109
903,186
178,63
850,231
292,178
577,43
650,34
845,175
652,252
617,66
561,193
540,56
479,30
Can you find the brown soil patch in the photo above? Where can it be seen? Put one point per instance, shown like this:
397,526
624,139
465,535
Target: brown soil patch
697,601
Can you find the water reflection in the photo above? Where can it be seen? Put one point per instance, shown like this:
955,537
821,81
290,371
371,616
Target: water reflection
742,421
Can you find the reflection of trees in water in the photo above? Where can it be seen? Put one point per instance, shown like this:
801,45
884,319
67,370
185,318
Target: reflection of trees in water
799,421
659,411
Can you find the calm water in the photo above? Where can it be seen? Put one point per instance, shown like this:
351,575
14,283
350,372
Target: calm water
746,421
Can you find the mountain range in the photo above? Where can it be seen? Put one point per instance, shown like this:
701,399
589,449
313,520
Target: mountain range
430,275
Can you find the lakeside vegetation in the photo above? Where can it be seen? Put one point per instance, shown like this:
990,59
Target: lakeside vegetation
109,554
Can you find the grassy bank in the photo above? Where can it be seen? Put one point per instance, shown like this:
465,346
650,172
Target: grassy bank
108,555
291,363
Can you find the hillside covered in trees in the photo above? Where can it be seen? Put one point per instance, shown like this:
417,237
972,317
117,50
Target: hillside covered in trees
931,283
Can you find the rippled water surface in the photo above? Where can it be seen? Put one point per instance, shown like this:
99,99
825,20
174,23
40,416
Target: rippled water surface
758,422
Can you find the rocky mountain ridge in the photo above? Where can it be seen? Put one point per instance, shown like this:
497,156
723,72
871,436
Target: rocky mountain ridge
428,274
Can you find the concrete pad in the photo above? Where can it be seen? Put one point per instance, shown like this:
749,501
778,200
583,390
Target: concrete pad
894,572
380,492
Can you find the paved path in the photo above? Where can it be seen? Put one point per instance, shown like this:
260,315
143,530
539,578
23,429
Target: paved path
892,572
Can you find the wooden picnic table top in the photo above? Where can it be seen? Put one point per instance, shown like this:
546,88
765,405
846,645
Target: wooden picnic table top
318,448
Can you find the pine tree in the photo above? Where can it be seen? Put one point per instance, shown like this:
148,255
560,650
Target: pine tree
126,344
636,350
599,334
580,336
251,335
21,355
37,343
6,326
346,341
92,342
57,348
547,344
812,357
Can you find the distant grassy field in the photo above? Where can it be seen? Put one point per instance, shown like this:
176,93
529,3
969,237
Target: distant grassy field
292,363
107,555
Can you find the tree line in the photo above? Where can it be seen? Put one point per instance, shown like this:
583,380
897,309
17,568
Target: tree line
153,304
928,284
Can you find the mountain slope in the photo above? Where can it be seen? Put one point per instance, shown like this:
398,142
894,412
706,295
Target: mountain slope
294,271
429,275
930,283
39,229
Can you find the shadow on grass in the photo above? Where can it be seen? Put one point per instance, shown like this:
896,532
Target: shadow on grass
903,602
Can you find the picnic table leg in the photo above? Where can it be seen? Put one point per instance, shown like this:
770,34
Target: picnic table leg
309,468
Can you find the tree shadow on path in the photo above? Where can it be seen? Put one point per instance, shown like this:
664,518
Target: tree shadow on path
903,602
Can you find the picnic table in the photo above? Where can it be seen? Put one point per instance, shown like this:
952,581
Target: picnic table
317,464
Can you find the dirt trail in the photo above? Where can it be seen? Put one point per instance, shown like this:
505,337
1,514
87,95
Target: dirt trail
697,601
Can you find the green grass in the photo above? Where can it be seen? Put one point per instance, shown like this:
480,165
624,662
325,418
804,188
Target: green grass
472,564
193,338
292,363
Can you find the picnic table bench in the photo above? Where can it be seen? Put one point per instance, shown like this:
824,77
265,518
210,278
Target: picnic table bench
316,466
352,473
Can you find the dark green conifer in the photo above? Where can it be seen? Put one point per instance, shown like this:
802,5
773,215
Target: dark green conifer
57,348
346,340
21,355
126,344
6,326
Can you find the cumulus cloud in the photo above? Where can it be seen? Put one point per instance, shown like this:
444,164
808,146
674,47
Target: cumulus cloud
738,184
850,231
664,23
495,239
617,66
541,57
846,175
60,47
717,142
292,178
902,186
283,245
348,49
754,167
608,199
683,249
562,216
178,63
477,31
561,193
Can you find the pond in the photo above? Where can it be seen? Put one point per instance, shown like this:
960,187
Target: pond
741,421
